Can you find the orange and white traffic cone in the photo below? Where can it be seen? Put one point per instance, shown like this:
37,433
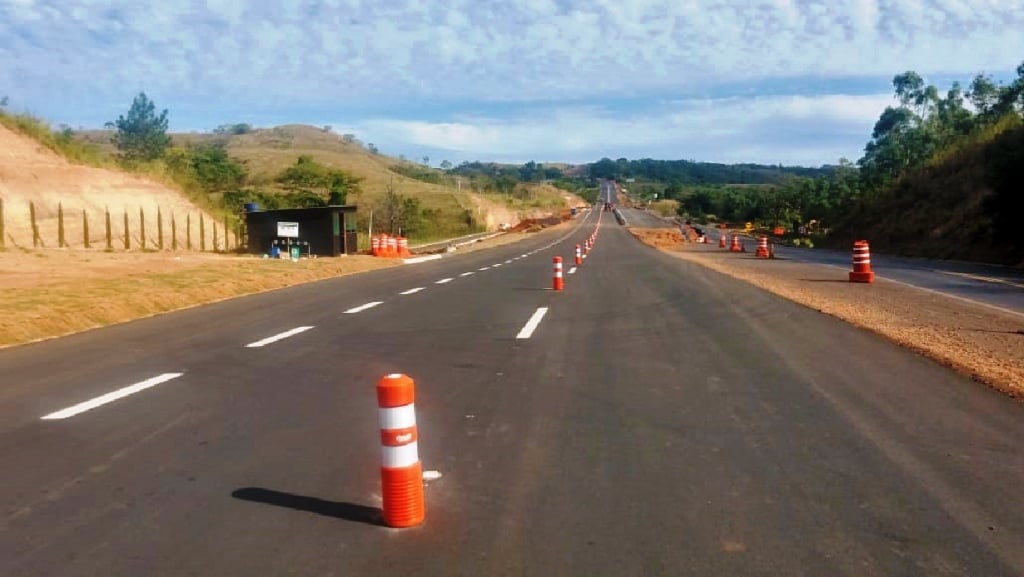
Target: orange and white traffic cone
401,471
736,246
862,263
579,255
559,282
762,247
721,240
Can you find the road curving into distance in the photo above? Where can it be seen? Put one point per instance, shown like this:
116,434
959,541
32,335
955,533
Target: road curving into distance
655,419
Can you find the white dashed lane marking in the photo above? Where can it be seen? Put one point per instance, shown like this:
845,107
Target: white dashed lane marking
532,324
277,337
111,397
362,308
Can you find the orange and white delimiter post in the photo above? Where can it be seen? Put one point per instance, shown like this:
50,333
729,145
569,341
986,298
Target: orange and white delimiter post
401,472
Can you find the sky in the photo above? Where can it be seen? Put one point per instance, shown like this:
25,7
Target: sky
794,82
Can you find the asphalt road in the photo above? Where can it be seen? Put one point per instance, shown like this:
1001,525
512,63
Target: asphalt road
608,191
995,286
645,219
661,420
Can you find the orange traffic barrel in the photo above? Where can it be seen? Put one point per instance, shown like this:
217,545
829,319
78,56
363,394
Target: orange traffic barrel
762,247
401,472
579,255
862,263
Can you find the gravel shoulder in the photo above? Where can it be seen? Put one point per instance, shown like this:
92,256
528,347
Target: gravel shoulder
974,339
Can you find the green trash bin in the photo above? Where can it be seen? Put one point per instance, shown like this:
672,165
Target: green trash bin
296,252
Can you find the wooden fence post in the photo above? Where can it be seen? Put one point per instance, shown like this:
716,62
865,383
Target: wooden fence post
188,231
60,226
142,228
226,229
35,228
85,229
174,233
159,229
110,239
202,234
213,223
127,238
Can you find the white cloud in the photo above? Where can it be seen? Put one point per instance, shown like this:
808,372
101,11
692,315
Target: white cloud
75,59
770,130
497,50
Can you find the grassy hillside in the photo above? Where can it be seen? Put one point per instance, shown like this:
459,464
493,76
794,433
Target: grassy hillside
266,152
967,204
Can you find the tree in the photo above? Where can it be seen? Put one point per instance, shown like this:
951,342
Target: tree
426,160
446,165
214,169
233,129
400,214
142,135
3,102
372,148
311,177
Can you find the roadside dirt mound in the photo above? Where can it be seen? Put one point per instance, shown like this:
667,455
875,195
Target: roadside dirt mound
31,173
658,237
535,224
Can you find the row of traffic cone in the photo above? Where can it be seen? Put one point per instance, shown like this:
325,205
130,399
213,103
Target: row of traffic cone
861,272
390,246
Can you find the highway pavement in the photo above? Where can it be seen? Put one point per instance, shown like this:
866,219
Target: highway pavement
661,419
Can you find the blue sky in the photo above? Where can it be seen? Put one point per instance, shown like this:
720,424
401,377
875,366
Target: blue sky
771,81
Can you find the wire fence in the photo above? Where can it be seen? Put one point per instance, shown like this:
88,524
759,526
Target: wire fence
43,225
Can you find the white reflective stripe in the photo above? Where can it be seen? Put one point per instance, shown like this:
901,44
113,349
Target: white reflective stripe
396,457
397,417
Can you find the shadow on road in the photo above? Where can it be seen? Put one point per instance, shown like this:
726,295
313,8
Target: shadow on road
825,280
335,509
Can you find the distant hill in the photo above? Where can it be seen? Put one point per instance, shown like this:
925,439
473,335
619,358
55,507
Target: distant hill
689,172
268,151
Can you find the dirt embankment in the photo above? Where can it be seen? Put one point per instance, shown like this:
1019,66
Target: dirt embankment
31,174
979,341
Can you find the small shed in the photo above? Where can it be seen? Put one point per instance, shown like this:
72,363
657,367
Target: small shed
320,231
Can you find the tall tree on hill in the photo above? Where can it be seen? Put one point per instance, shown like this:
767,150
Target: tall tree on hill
142,134
332,186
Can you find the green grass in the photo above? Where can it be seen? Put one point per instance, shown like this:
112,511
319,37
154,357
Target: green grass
267,152
63,143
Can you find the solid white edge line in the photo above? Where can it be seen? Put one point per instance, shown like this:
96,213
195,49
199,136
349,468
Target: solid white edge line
411,291
362,308
928,290
532,324
444,280
277,337
110,397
